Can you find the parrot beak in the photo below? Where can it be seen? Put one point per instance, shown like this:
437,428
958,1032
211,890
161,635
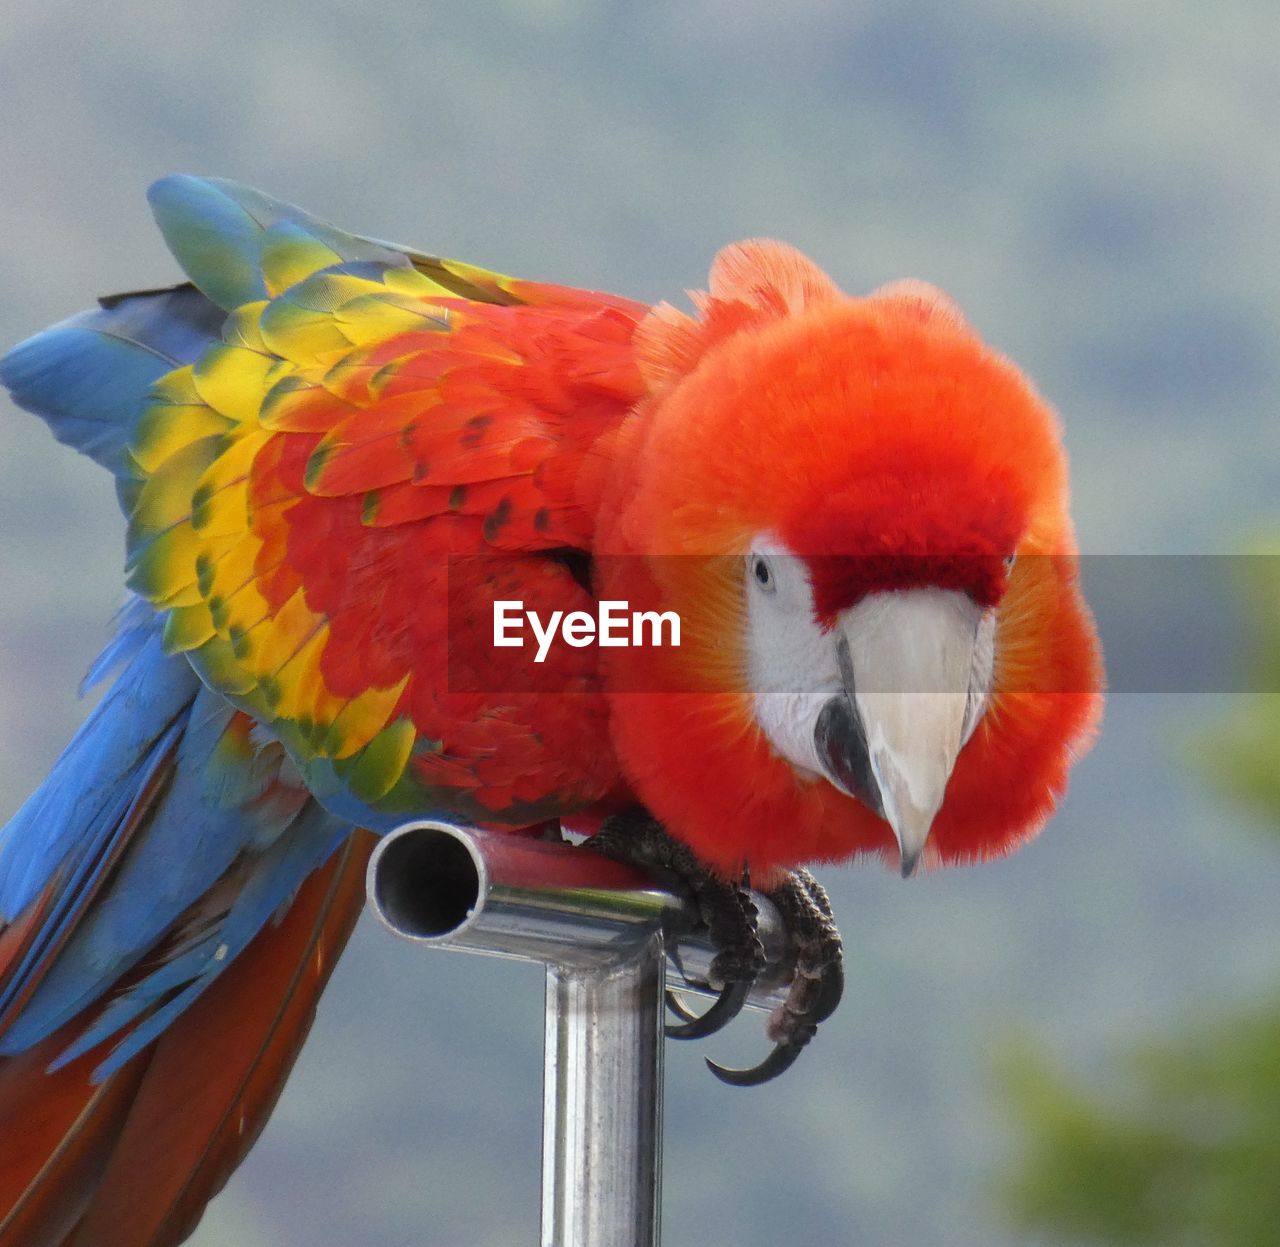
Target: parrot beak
892,734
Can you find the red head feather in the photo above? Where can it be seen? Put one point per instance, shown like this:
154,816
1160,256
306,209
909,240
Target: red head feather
846,428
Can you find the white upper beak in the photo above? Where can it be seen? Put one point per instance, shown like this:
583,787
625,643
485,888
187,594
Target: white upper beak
907,665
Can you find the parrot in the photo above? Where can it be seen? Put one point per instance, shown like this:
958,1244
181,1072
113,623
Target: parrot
336,458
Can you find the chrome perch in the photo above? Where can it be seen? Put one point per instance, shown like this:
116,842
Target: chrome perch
608,935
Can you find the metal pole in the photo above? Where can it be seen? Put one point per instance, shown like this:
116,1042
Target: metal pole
602,1104
604,931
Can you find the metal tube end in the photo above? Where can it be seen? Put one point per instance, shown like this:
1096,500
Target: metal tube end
425,880
477,891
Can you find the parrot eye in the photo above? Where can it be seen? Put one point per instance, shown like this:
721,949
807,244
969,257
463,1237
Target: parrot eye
1009,560
763,574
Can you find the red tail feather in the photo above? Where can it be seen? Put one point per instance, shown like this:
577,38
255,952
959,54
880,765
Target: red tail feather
133,1162
56,1132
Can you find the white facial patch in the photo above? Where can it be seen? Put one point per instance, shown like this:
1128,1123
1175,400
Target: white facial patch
909,649
792,665
984,665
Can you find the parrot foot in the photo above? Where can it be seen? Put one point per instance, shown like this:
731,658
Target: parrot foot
727,910
730,916
817,981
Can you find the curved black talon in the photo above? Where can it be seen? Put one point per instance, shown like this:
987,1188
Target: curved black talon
727,1006
817,982
729,916
802,1023
781,1059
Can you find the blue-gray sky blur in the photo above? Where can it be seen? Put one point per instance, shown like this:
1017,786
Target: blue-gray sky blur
1098,184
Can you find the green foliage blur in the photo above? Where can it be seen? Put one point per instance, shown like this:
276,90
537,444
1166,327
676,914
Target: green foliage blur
1179,1143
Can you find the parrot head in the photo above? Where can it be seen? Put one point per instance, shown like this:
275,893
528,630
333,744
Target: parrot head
859,512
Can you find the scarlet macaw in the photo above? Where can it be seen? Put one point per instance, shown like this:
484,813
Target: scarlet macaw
335,455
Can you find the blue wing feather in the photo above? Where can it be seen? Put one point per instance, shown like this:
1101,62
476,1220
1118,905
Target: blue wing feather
155,851
220,817
87,376
268,886
223,234
103,762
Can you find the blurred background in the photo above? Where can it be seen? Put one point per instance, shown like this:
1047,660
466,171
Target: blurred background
1078,1044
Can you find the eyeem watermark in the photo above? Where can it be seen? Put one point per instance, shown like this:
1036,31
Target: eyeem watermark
614,624
1170,623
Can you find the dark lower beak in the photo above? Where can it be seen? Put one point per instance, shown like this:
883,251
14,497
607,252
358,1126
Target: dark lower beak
841,739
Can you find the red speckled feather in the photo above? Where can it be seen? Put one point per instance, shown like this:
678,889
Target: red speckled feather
380,431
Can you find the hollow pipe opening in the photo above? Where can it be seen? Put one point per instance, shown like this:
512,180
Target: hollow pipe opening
426,882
